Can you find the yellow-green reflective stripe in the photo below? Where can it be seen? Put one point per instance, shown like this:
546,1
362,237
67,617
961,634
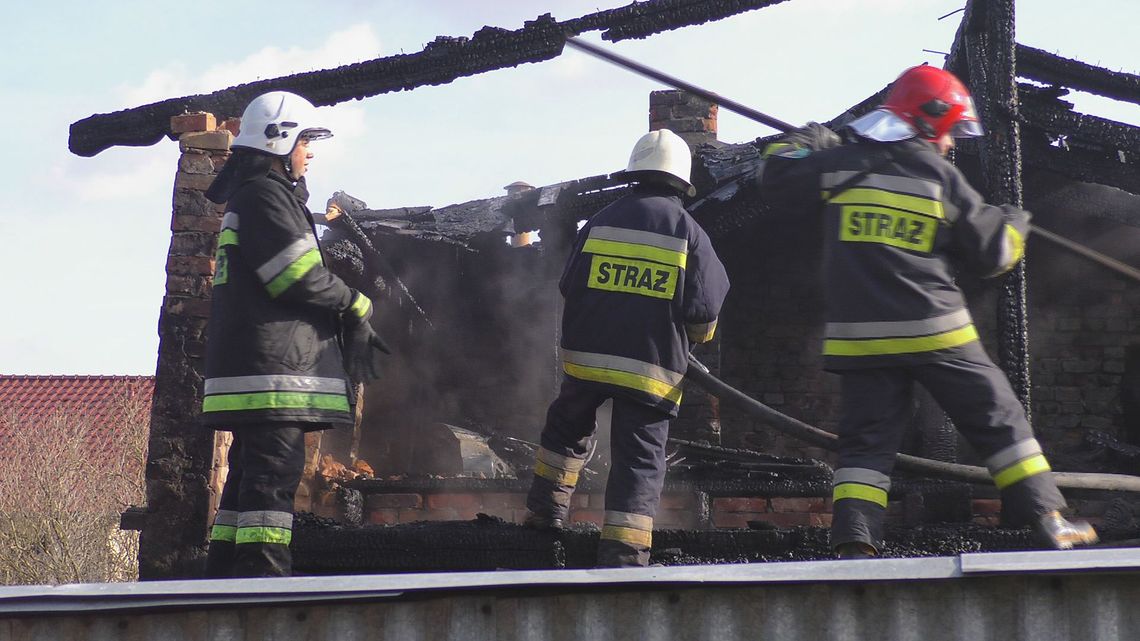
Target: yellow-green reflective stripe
360,306
223,533
635,250
555,475
700,332
264,534
273,401
871,196
627,535
294,272
861,492
1020,471
883,346
227,237
645,384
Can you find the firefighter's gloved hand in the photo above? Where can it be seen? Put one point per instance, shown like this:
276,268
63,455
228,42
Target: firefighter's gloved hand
362,352
815,136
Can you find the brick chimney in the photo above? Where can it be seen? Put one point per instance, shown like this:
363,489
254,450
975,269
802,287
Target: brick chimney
689,116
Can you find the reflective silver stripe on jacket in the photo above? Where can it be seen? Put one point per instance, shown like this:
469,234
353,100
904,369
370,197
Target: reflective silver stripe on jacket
862,476
623,235
274,383
284,258
226,517
900,329
902,184
230,220
623,364
266,518
1012,454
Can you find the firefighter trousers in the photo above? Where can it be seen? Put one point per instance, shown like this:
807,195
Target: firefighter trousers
254,523
976,395
637,471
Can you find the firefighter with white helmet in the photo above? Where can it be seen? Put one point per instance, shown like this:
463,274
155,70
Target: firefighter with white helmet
275,368
642,283
900,222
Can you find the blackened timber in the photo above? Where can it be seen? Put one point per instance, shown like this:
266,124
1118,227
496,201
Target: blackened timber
441,61
1045,67
1076,126
1085,165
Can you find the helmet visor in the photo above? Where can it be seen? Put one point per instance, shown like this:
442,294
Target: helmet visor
316,133
967,129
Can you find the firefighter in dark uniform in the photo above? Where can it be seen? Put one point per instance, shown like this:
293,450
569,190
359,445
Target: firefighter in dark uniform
275,368
641,283
895,211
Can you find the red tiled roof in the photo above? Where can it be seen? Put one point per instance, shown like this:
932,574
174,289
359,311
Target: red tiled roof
34,399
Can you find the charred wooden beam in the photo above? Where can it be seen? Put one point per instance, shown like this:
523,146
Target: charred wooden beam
1049,68
1075,126
441,61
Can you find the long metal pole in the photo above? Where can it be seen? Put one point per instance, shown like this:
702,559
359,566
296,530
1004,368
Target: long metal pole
776,123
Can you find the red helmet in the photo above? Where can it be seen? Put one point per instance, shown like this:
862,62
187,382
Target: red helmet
934,102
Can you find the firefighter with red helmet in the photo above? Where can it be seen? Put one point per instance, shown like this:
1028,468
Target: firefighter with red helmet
895,213
642,283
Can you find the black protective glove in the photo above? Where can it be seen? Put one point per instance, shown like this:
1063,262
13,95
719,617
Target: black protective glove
361,352
814,136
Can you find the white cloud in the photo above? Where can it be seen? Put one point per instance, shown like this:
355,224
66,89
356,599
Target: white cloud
356,43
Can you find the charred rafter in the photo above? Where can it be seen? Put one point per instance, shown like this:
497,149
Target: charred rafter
1052,69
441,61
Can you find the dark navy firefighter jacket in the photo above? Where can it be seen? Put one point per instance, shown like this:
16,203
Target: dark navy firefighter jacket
642,282
273,350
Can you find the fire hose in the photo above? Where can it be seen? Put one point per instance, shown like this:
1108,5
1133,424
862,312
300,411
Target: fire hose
812,435
775,123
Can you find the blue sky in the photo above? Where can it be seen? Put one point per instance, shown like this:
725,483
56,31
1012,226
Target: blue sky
87,237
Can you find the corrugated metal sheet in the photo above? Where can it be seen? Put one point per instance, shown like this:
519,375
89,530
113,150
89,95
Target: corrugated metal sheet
1086,595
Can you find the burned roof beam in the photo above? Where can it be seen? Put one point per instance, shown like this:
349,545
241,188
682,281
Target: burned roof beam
1084,165
1048,68
1080,127
441,61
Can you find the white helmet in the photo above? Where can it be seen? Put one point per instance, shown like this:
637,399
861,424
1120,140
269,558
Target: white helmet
274,122
662,154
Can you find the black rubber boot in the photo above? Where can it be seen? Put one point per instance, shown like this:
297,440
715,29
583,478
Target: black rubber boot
542,522
855,550
220,560
1055,531
614,554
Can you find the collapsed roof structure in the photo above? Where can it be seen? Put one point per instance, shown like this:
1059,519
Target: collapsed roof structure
1077,171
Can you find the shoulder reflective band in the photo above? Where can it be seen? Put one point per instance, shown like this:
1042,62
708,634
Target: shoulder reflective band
289,265
634,243
928,189
632,277
701,332
866,196
275,401
1020,471
859,492
624,372
886,346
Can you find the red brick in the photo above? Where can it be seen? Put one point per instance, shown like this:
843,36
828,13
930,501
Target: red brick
193,307
739,504
407,515
786,519
381,501
198,121
580,499
190,265
734,519
598,500
679,519
201,182
678,500
195,223
819,520
801,504
384,517
986,507
213,140
587,516
986,520
441,514
233,125
503,499
196,162
460,501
